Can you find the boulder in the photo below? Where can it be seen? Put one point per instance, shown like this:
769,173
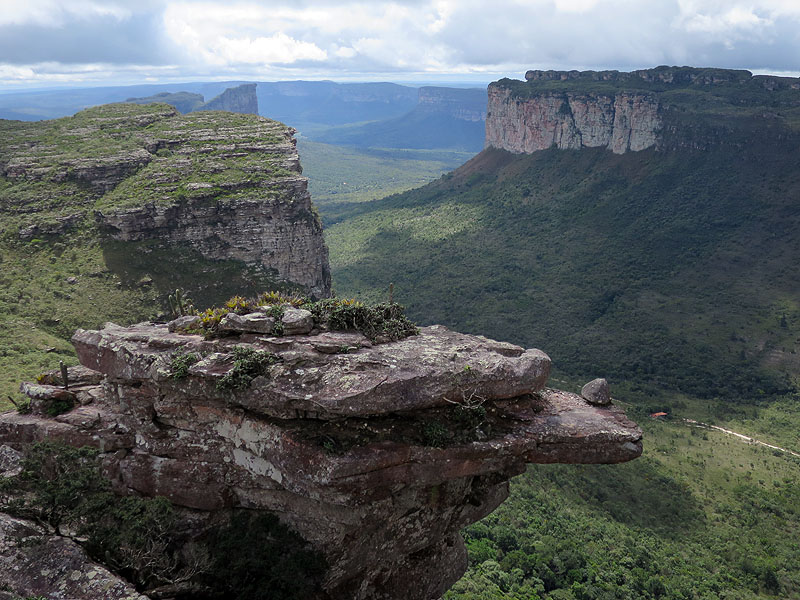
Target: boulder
597,392
183,323
297,321
250,323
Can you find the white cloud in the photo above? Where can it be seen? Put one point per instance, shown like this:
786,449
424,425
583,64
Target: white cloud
278,48
52,13
403,38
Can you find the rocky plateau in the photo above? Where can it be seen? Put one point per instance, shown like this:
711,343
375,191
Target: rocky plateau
207,186
630,112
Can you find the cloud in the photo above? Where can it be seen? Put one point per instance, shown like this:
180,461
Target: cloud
398,39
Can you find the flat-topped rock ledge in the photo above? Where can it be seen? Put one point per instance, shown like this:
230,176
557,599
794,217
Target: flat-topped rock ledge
376,453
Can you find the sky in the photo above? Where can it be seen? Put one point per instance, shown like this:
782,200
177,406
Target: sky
47,43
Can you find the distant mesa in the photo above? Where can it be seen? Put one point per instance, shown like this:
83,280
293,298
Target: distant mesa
664,107
239,99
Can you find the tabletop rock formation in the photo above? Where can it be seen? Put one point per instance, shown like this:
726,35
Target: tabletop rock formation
378,453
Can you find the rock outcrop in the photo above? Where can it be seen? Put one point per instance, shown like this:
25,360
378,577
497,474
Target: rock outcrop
239,99
667,108
35,563
622,122
376,453
198,190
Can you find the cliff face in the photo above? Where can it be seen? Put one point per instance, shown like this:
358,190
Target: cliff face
208,185
372,451
240,99
620,122
666,107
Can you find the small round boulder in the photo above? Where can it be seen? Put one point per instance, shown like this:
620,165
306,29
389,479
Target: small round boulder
597,392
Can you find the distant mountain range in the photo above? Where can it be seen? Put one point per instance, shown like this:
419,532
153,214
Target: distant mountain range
364,115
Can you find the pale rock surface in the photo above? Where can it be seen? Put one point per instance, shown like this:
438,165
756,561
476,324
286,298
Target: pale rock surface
297,321
622,122
252,322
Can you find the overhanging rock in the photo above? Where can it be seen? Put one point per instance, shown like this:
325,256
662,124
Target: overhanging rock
377,454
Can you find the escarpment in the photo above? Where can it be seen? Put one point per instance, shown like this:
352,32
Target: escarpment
376,452
619,122
168,197
663,108
239,99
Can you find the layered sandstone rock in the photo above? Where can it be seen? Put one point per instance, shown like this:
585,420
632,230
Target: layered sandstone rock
35,563
621,122
376,453
207,186
669,108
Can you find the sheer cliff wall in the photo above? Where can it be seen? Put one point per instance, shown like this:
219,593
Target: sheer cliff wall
665,108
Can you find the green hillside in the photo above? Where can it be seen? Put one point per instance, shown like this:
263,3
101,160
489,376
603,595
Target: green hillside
339,175
674,274
700,515
679,271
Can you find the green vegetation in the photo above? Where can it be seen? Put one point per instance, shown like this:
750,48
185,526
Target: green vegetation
673,274
252,557
339,175
181,363
63,487
640,267
700,515
379,322
733,94
57,270
248,364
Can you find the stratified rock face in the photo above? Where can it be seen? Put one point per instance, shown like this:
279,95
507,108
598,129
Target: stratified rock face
621,122
378,454
669,108
240,99
209,185
34,563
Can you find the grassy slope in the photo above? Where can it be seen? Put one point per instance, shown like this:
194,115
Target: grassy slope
674,274
700,515
677,270
339,175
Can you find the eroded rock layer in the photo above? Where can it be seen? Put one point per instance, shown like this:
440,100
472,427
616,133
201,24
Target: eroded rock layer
621,122
376,453
203,191
666,107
